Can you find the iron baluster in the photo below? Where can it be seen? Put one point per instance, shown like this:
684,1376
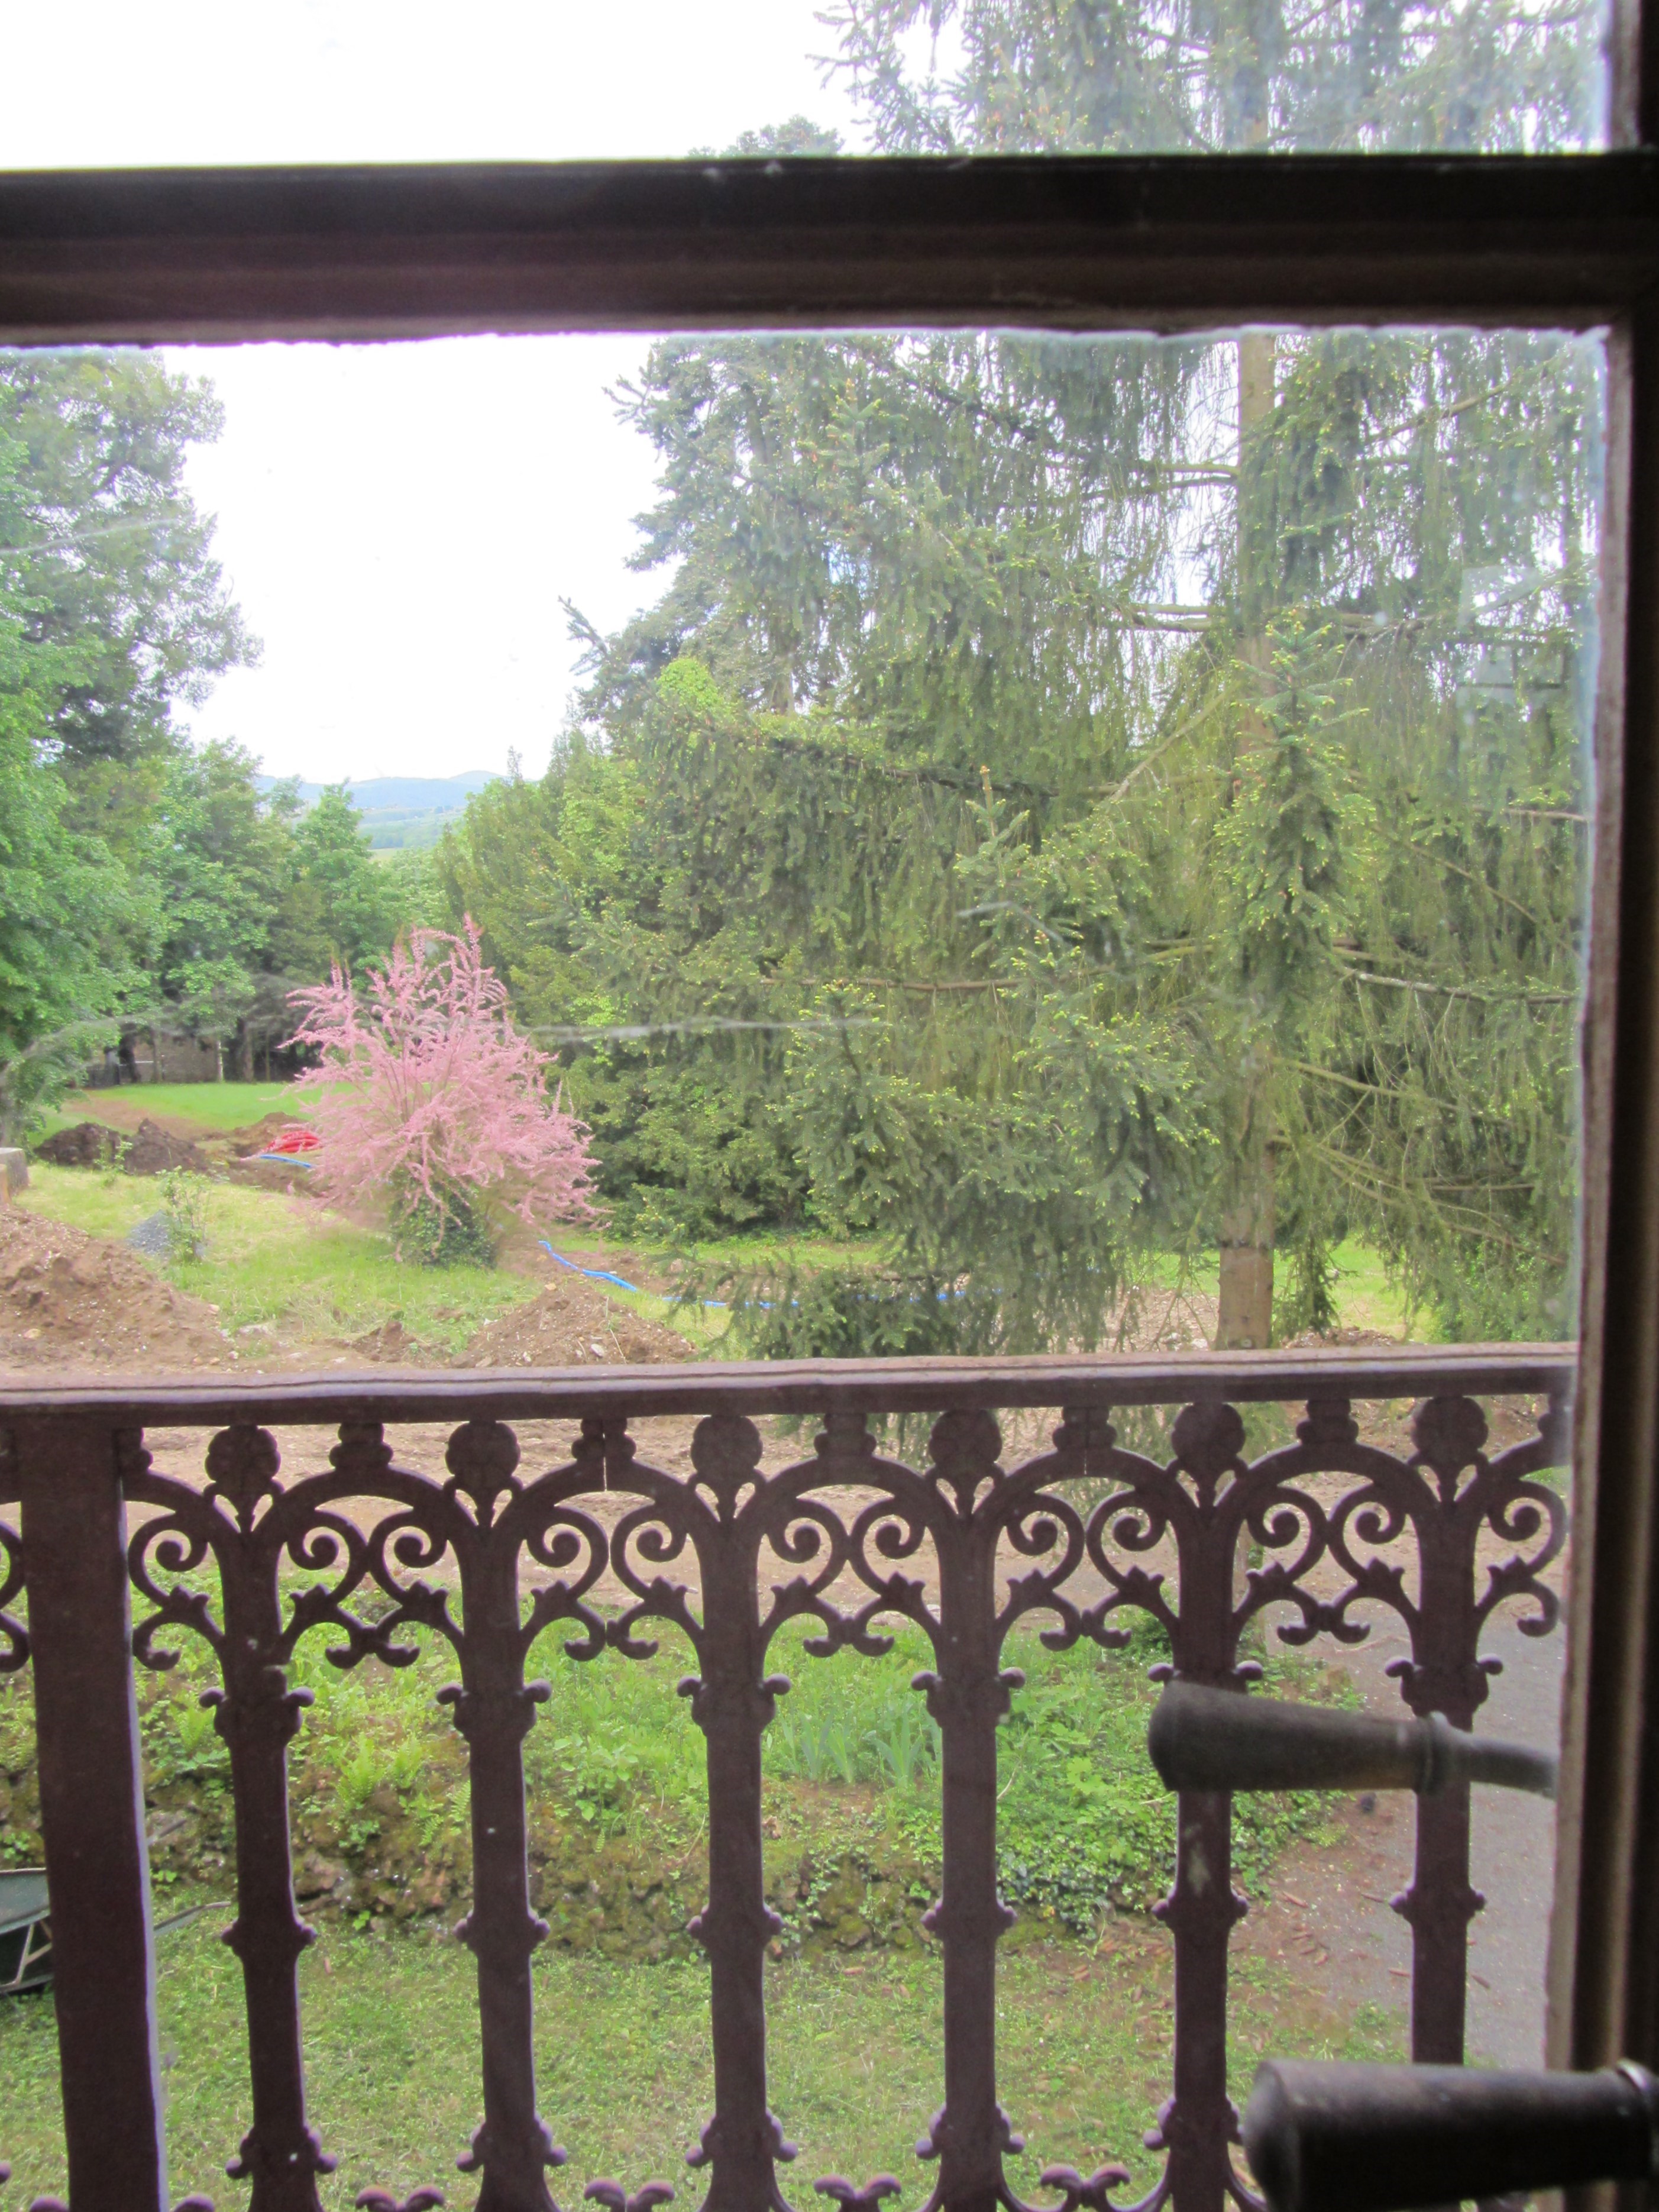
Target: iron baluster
732,1700
494,1709
1206,1501
258,1715
1448,1493
967,1505
92,1812
967,1697
1199,2124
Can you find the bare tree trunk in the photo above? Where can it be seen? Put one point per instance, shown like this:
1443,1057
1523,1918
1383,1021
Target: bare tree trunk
1245,1321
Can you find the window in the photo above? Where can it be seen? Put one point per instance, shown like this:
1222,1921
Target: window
1418,253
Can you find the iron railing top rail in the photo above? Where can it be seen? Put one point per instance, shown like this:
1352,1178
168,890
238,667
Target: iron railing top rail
809,1386
1160,241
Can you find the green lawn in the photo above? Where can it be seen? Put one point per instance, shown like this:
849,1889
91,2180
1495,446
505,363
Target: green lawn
623,2068
271,1259
288,1262
214,1106
268,1262
291,1263
623,2064
1365,1297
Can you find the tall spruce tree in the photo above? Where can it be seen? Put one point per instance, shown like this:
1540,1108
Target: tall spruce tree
1305,840
1153,772
1090,76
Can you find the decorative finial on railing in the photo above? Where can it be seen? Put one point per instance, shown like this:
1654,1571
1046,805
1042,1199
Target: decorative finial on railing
1090,2196
612,2195
242,1464
854,2198
382,2200
57,2204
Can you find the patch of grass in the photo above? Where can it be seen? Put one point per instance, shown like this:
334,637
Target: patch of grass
855,2042
1085,1828
288,1262
1365,1297
624,2074
102,1201
213,1107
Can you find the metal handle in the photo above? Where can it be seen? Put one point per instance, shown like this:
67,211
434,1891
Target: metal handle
1351,2138
1202,1739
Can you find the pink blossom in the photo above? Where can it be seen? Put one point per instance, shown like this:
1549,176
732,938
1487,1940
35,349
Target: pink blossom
425,1088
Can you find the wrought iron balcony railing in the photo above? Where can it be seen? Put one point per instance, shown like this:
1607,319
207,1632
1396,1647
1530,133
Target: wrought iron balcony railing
1078,1537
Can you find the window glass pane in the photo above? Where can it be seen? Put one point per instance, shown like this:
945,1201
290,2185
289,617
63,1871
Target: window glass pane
1004,844
1006,818
360,80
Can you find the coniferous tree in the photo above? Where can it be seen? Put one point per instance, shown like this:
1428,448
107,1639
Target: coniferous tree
1312,831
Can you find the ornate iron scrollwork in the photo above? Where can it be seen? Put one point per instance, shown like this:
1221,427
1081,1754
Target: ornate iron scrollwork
1203,1543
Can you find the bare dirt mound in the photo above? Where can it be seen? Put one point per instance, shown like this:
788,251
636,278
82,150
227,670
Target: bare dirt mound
149,1150
391,1344
292,1177
259,1136
572,1324
87,1144
67,1300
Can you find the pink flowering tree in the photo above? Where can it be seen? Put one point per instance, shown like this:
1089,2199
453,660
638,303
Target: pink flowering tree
427,1093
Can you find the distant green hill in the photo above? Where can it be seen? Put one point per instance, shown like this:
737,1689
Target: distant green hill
400,810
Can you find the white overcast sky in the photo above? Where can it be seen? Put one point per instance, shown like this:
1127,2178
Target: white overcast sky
400,523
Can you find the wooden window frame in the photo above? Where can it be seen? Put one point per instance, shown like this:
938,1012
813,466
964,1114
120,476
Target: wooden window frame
1164,244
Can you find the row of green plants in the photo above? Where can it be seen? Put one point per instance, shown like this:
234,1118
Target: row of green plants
1085,1828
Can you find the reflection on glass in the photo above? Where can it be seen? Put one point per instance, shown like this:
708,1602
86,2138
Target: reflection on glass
1084,842
1081,76
346,80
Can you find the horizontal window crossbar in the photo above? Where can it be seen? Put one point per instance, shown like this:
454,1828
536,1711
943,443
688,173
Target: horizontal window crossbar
1102,242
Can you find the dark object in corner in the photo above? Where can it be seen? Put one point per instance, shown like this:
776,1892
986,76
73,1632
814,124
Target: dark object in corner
1337,2137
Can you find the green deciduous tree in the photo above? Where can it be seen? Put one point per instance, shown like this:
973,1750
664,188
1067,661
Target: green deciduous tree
148,878
340,907
71,923
126,607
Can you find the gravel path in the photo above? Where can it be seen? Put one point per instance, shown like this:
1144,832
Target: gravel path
1329,1913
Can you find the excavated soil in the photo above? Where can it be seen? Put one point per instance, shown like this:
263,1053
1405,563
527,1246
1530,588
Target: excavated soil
569,1324
572,1324
257,1136
236,1156
67,1300
151,1149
